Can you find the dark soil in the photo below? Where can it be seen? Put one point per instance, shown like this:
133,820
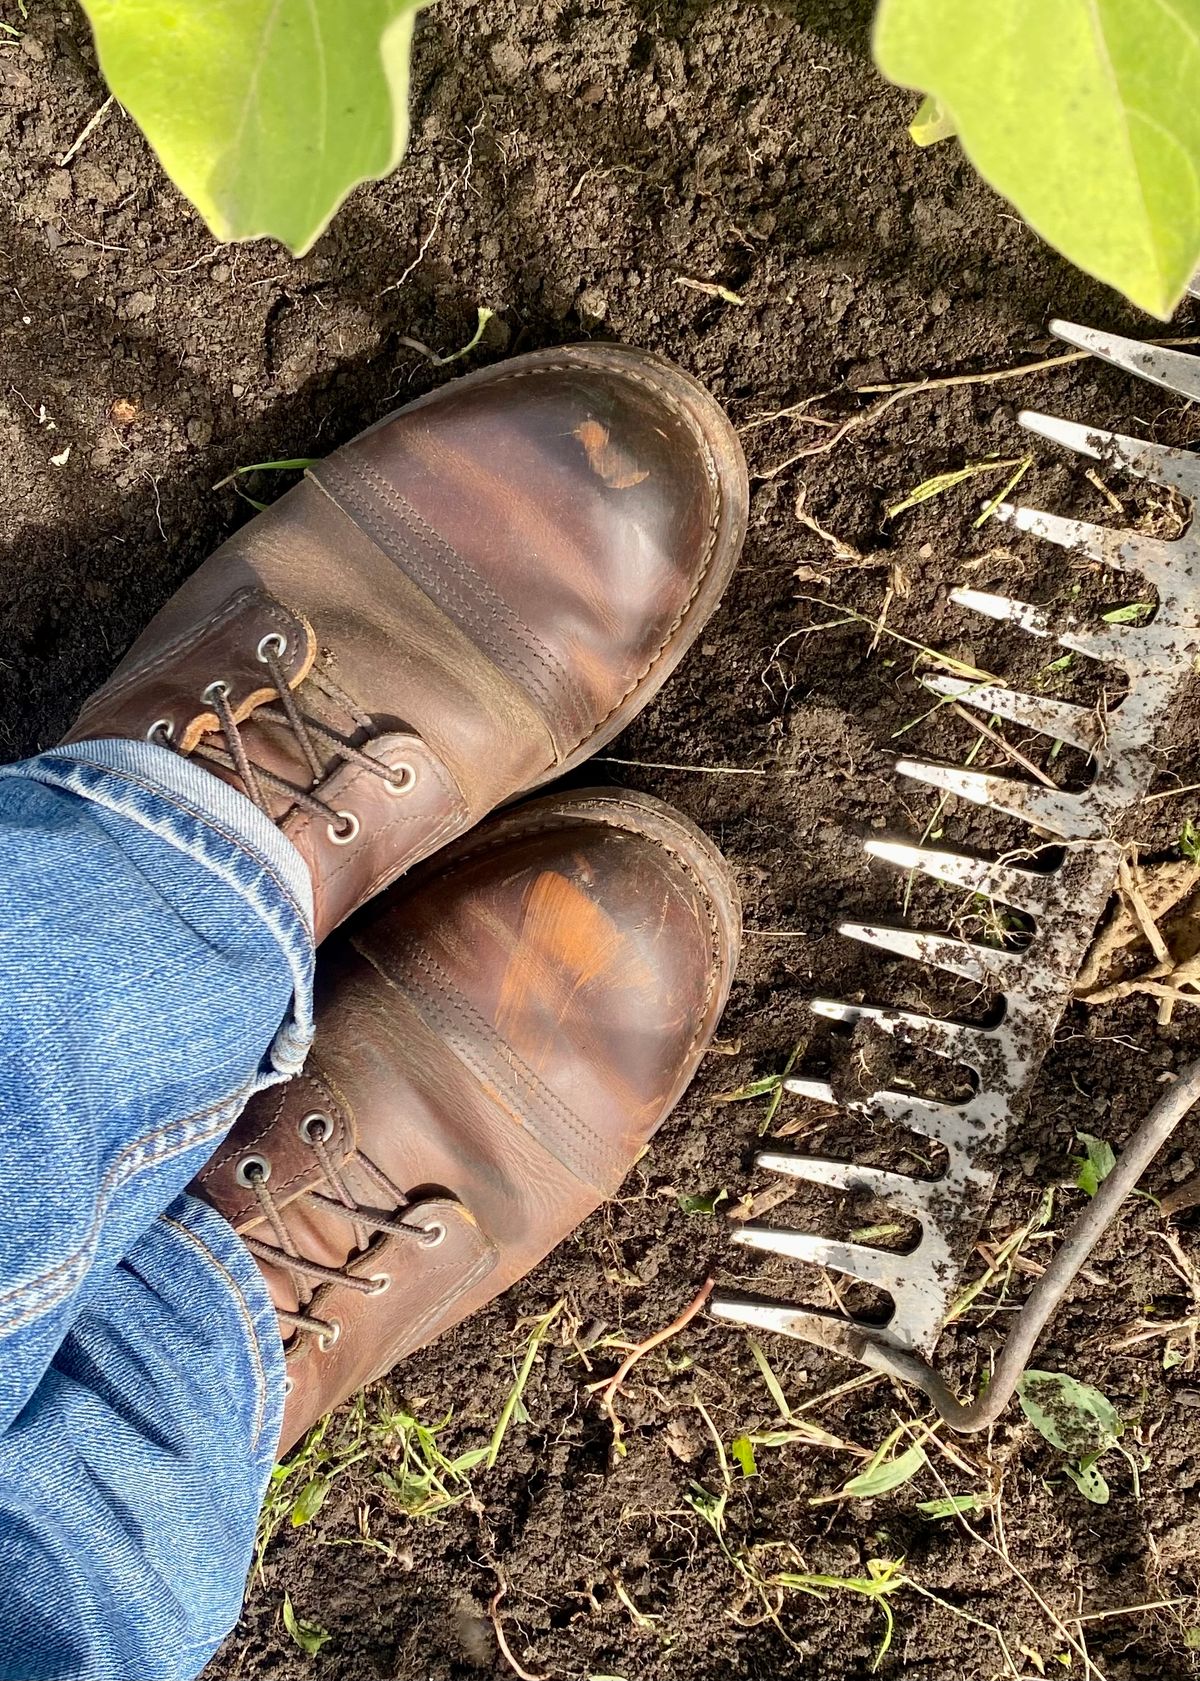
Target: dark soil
573,162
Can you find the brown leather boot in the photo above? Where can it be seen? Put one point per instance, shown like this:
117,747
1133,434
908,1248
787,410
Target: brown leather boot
455,607
496,1041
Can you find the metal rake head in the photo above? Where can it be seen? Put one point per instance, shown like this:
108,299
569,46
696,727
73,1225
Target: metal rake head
1064,904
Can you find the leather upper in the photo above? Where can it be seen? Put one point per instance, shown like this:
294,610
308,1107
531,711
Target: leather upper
494,578
498,1037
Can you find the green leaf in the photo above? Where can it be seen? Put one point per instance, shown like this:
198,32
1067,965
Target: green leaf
309,1501
1132,613
310,1637
756,1088
773,1384
265,113
1082,112
950,1506
1072,1416
1089,1482
1095,1165
706,1204
887,1475
1189,841
742,1449
931,123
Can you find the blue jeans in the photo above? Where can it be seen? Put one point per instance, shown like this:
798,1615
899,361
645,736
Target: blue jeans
156,958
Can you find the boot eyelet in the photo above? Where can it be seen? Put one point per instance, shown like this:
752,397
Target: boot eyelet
315,1128
330,1335
252,1168
400,779
289,1383
216,691
382,1282
271,646
161,727
433,1234
343,837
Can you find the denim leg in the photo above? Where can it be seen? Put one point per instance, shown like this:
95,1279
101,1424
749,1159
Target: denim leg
155,970
130,1483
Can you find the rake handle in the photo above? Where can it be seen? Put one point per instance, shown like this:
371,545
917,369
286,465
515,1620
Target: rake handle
1052,1286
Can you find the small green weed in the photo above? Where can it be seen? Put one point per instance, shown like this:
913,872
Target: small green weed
298,464
1093,1167
1132,613
942,482
769,1086
310,1637
1079,1421
1189,841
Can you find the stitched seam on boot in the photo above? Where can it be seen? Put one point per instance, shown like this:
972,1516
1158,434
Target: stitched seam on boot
457,1022
448,581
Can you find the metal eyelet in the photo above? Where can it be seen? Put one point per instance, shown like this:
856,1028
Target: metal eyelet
433,1234
382,1282
327,1338
315,1128
407,779
271,644
161,727
289,1383
343,837
216,690
251,1168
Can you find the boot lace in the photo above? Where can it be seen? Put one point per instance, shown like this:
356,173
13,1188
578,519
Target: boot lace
312,734
254,1172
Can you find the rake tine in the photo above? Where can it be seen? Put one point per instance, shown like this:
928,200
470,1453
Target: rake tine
1067,815
828,1330
878,1267
1060,720
817,1091
984,965
1118,549
1022,890
1163,465
1030,618
931,1120
949,1039
907,1193
1170,368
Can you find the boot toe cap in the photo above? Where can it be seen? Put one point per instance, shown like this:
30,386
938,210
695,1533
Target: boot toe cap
588,944
586,499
